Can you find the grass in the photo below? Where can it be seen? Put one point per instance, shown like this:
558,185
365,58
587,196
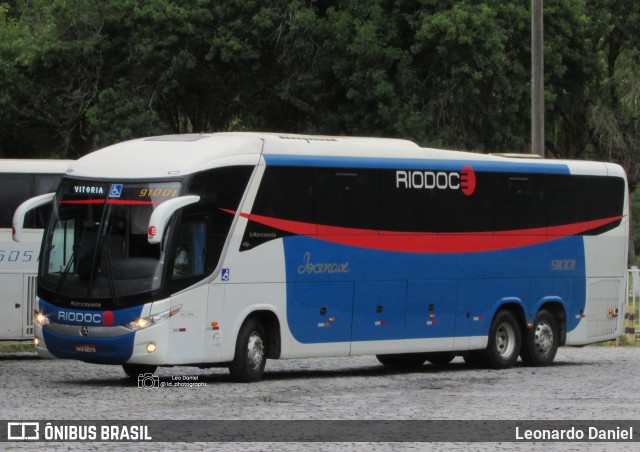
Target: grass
621,341
16,347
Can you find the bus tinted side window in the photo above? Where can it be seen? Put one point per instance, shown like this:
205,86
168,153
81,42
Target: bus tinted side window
220,191
405,208
472,212
606,196
567,199
521,202
347,198
14,189
285,194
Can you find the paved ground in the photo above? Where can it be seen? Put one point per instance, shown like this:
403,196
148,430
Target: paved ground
591,383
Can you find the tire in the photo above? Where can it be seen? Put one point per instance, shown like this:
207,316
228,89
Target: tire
541,342
133,371
250,356
440,358
403,360
475,359
504,342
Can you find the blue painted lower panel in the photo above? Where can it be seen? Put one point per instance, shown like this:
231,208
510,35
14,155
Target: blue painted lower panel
378,311
323,311
104,350
381,295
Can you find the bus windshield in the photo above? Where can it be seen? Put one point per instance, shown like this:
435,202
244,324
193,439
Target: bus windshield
96,246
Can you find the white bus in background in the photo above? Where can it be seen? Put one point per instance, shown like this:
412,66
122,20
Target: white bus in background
20,180
228,249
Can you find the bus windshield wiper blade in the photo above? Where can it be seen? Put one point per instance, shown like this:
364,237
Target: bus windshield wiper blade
63,276
112,283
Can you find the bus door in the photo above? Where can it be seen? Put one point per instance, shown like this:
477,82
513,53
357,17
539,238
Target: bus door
190,264
11,306
378,312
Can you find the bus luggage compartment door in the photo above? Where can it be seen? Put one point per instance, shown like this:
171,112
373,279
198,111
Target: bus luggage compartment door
11,306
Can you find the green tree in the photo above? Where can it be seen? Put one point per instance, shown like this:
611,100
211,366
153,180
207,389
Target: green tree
79,74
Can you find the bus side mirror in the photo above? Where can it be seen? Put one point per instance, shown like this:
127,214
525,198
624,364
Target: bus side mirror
162,213
23,209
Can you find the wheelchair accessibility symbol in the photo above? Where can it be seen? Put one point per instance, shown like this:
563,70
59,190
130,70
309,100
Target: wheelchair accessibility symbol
115,191
224,276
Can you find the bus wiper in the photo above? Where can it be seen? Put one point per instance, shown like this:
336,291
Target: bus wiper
63,275
112,282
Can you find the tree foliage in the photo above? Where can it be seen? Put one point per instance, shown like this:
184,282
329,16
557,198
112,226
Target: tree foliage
78,74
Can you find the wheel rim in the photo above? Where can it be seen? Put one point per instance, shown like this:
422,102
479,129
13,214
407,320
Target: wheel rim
255,350
505,340
543,338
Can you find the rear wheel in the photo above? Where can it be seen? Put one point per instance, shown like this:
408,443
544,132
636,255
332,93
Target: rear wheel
250,357
404,360
504,341
541,342
503,346
133,371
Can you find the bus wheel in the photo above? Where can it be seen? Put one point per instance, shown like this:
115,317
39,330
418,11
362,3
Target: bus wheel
250,357
440,358
133,371
474,358
504,341
407,360
541,342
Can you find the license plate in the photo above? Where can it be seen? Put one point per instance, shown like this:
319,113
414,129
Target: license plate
86,348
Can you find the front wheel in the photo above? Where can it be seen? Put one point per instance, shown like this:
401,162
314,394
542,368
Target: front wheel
504,342
541,342
134,371
250,357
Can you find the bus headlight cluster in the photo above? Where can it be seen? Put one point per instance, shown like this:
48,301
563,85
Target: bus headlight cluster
40,318
154,319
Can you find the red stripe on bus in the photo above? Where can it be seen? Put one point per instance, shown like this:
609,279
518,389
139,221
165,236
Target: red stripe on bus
430,242
110,201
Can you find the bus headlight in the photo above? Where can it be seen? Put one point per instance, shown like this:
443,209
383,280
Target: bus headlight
154,319
40,318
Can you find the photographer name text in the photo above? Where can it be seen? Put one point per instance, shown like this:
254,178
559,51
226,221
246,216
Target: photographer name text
576,434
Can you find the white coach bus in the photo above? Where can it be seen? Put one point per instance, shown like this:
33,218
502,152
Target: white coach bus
19,181
228,249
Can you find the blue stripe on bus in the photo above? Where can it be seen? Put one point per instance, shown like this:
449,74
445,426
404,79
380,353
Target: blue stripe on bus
514,166
337,293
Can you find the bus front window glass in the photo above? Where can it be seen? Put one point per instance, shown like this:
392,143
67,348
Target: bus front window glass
97,247
61,247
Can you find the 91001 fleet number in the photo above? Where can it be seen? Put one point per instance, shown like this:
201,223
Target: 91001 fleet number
563,264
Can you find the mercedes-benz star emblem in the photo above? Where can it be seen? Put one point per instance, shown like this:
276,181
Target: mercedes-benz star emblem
84,331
